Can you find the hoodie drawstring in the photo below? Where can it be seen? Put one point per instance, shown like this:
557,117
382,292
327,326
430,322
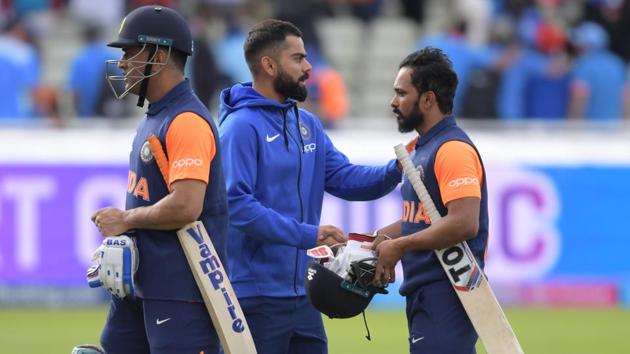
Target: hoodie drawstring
284,128
297,119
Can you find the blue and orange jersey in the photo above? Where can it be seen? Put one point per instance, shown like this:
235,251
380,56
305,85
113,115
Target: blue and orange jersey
451,168
189,139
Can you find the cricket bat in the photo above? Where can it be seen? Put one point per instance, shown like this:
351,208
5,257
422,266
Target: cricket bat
467,278
210,275
216,289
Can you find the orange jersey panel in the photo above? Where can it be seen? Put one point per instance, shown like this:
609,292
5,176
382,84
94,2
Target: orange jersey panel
458,171
190,146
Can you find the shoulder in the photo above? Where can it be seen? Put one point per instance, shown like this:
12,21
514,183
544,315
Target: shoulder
452,133
456,148
190,117
242,117
240,125
455,154
617,62
189,123
310,119
307,115
188,106
190,102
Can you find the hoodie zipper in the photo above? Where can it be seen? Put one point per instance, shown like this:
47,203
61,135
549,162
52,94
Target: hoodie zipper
284,128
300,150
297,254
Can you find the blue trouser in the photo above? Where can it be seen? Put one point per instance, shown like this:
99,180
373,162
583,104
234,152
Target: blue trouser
437,321
285,325
138,326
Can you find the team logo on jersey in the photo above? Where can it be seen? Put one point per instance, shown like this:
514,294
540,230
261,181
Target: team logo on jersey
304,131
145,153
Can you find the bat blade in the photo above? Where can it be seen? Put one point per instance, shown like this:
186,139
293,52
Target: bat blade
216,290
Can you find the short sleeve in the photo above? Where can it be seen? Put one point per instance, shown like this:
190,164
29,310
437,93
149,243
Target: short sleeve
458,171
190,146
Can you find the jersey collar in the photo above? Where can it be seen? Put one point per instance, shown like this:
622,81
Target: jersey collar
177,91
448,121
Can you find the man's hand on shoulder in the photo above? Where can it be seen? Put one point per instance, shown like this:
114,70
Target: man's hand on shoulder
110,221
329,235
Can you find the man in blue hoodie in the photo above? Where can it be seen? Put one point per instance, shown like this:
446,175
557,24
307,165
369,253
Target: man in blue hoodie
278,163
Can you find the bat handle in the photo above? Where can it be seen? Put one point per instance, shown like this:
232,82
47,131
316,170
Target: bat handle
416,182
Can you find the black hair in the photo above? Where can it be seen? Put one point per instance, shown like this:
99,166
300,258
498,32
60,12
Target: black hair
433,71
268,34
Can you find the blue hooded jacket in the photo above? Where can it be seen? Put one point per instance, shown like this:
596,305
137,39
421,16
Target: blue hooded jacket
278,161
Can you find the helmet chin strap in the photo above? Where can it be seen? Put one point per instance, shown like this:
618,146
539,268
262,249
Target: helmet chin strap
368,337
145,82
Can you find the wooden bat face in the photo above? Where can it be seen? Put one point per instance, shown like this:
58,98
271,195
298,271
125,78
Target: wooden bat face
216,289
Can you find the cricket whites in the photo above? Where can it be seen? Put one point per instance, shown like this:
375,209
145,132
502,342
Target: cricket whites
467,278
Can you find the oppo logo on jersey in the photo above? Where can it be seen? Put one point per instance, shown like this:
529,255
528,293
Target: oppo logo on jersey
188,162
464,181
310,148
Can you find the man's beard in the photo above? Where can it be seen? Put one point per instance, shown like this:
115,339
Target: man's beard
284,85
411,122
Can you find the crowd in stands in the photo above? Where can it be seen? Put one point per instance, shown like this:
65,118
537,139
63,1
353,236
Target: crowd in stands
515,59
541,62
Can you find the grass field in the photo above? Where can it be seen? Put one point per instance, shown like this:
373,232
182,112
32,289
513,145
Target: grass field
540,331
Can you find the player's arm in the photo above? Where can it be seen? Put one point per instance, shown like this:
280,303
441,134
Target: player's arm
189,138
392,230
180,207
460,224
247,213
388,232
459,174
357,182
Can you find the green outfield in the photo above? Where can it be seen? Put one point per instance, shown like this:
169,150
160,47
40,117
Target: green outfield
540,331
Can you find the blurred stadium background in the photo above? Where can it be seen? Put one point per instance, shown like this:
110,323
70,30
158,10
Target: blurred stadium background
543,95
